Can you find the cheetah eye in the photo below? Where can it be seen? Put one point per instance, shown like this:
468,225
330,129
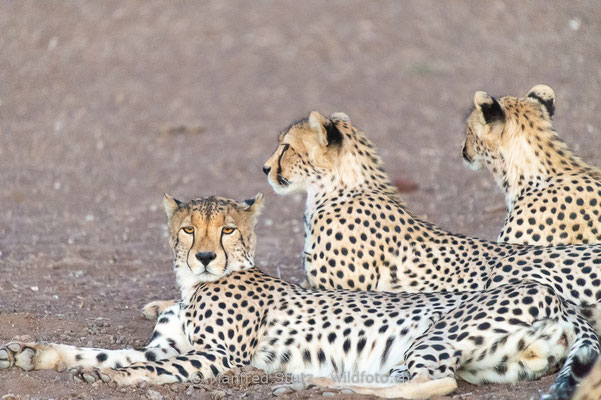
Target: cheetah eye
188,229
227,230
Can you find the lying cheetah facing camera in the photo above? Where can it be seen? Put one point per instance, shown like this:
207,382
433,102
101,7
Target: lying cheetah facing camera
360,235
552,196
231,314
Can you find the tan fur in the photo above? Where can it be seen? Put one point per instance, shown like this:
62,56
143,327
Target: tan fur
590,387
540,175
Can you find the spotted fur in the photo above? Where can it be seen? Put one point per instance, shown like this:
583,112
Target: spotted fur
360,235
590,387
231,314
553,197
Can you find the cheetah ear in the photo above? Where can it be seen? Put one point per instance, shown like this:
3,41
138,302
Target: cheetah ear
327,132
489,107
254,205
171,205
340,116
544,95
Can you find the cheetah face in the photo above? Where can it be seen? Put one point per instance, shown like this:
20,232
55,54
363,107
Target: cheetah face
494,124
303,154
284,168
472,150
212,236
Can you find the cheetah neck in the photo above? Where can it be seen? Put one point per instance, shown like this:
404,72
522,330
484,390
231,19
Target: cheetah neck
523,166
186,281
355,169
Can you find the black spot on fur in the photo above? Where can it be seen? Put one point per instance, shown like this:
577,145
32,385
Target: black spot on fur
150,356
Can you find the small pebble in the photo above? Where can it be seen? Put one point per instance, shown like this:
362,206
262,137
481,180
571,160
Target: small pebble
218,394
282,391
296,386
328,394
153,395
176,387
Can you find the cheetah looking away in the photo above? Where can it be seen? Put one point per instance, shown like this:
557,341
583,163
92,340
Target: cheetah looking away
552,196
231,314
360,235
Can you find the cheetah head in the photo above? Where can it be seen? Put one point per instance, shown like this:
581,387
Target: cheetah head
305,153
211,236
495,124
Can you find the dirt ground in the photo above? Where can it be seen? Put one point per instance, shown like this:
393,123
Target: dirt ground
106,105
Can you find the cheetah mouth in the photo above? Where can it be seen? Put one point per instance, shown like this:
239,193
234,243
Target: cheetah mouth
282,181
201,273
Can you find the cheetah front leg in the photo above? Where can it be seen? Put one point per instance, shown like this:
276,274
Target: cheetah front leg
432,374
152,310
167,341
420,387
195,366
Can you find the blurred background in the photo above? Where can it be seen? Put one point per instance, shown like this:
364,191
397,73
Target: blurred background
104,106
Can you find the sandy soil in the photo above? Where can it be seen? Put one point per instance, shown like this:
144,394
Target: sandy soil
106,105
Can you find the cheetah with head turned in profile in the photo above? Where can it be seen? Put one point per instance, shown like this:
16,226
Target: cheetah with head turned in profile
231,314
360,235
553,197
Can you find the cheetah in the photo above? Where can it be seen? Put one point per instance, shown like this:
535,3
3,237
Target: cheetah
553,197
231,314
360,235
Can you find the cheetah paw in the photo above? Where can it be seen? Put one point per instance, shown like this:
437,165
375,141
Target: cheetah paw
17,354
152,310
92,375
113,377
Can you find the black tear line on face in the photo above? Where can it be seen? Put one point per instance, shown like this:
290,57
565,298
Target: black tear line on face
281,180
188,254
224,252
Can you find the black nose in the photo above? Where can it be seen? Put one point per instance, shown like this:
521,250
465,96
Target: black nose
205,257
266,169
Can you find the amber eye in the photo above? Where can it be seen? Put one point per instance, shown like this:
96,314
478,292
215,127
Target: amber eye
189,229
227,230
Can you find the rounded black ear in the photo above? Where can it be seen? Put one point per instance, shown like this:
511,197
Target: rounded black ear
544,95
171,205
489,107
334,136
327,132
253,205
340,116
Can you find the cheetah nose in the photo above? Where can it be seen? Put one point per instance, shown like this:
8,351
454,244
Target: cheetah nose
266,169
205,257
